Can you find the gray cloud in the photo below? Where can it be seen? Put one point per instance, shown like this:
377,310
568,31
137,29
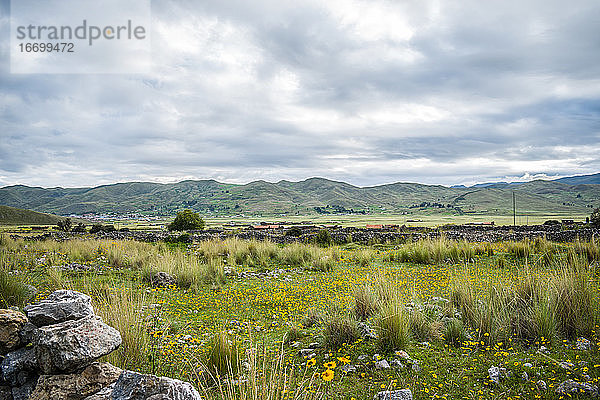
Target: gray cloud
366,92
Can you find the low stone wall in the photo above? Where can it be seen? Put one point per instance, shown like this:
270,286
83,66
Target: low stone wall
51,353
357,235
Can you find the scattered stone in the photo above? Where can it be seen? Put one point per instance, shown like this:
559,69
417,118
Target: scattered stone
583,344
366,331
494,373
70,345
544,350
314,345
425,344
348,368
397,364
542,385
60,306
528,365
18,366
382,364
135,386
566,365
11,323
525,376
569,387
363,357
162,279
416,367
376,357
402,394
306,353
76,386
402,354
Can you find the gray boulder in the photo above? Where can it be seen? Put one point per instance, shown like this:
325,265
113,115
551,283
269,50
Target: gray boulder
11,323
569,387
135,386
71,345
402,394
60,306
18,366
76,386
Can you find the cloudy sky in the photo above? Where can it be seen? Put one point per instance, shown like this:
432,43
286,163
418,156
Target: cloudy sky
367,92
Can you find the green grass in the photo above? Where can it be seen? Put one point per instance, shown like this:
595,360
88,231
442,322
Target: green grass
244,327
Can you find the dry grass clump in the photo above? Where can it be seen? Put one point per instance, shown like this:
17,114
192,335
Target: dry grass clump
428,251
340,330
561,305
393,327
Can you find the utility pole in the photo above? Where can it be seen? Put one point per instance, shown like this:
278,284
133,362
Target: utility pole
514,210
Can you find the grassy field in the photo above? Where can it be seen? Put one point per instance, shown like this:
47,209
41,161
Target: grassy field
430,219
237,313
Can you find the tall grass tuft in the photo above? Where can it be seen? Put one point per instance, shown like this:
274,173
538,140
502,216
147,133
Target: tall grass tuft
366,302
393,327
340,330
123,309
13,291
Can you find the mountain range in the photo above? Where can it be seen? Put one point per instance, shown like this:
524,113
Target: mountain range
315,195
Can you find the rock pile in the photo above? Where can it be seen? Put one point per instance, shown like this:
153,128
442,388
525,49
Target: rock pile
51,353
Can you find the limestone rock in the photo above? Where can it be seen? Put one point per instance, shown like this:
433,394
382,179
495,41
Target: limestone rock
135,386
60,306
11,323
70,345
569,387
18,366
494,373
27,333
402,394
76,386
103,394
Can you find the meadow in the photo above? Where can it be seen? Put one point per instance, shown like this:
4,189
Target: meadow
258,320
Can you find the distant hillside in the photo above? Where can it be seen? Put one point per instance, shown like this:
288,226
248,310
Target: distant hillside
314,195
593,179
18,216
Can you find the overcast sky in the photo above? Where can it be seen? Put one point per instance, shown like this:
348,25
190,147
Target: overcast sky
366,92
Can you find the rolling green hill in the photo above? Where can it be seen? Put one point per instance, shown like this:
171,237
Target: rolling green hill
18,216
304,197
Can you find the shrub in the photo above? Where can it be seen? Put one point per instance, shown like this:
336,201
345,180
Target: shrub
340,330
294,232
64,224
393,328
186,220
323,238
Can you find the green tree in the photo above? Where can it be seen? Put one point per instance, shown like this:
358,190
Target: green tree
595,217
186,220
